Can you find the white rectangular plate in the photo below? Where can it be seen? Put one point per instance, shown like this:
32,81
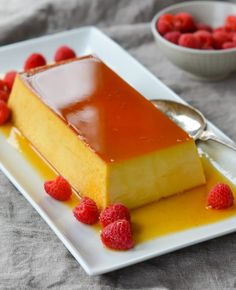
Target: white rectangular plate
82,241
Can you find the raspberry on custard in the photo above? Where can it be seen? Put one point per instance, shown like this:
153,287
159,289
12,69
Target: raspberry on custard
205,39
87,211
189,40
64,53
173,36
4,112
166,23
10,78
184,22
59,188
118,235
34,60
220,197
114,212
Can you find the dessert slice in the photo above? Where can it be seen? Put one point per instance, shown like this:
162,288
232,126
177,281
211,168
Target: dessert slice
103,136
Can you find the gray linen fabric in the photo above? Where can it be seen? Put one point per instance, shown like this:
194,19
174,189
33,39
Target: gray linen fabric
31,256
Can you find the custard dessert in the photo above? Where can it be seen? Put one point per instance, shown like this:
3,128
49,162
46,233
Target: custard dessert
102,135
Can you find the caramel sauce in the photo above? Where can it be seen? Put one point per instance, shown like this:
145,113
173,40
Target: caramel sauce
176,213
112,118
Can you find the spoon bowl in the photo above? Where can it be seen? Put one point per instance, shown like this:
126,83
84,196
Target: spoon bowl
190,120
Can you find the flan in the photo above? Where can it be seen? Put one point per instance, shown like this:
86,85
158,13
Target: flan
102,135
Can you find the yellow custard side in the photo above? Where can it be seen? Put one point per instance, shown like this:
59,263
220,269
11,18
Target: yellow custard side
169,215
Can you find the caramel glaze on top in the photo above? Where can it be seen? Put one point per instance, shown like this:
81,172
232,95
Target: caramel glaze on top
112,118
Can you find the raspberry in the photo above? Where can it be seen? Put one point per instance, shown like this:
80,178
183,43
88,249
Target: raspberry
222,29
34,60
4,112
113,213
64,53
230,22
9,79
228,45
165,24
205,39
173,36
118,235
184,22
87,211
3,86
220,197
59,188
220,37
4,96
234,38
203,26
189,40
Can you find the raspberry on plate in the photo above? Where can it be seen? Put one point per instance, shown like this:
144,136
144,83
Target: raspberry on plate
203,26
3,85
220,37
4,112
118,235
34,60
4,96
64,53
184,22
165,24
114,212
220,197
189,40
205,39
9,78
59,188
230,22
87,211
173,36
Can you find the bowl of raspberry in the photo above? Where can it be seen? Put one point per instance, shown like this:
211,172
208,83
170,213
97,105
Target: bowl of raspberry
199,37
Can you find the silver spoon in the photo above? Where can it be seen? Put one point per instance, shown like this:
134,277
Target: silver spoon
190,120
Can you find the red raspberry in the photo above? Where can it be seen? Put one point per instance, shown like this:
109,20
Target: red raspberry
220,197
87,211
189,40
184,22
230,22
221,29
173,36
9,79
3,86
220,37
118,235
4,96
228,45
203,26
64,53
4,112
34,60
205,39
59,188
113,213
234,38
165,24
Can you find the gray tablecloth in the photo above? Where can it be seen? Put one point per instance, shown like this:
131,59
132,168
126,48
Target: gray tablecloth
31,256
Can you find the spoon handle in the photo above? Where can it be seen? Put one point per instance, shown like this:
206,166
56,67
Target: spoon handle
207,135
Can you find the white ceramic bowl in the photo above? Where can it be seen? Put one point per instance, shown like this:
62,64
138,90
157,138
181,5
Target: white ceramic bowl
206,64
